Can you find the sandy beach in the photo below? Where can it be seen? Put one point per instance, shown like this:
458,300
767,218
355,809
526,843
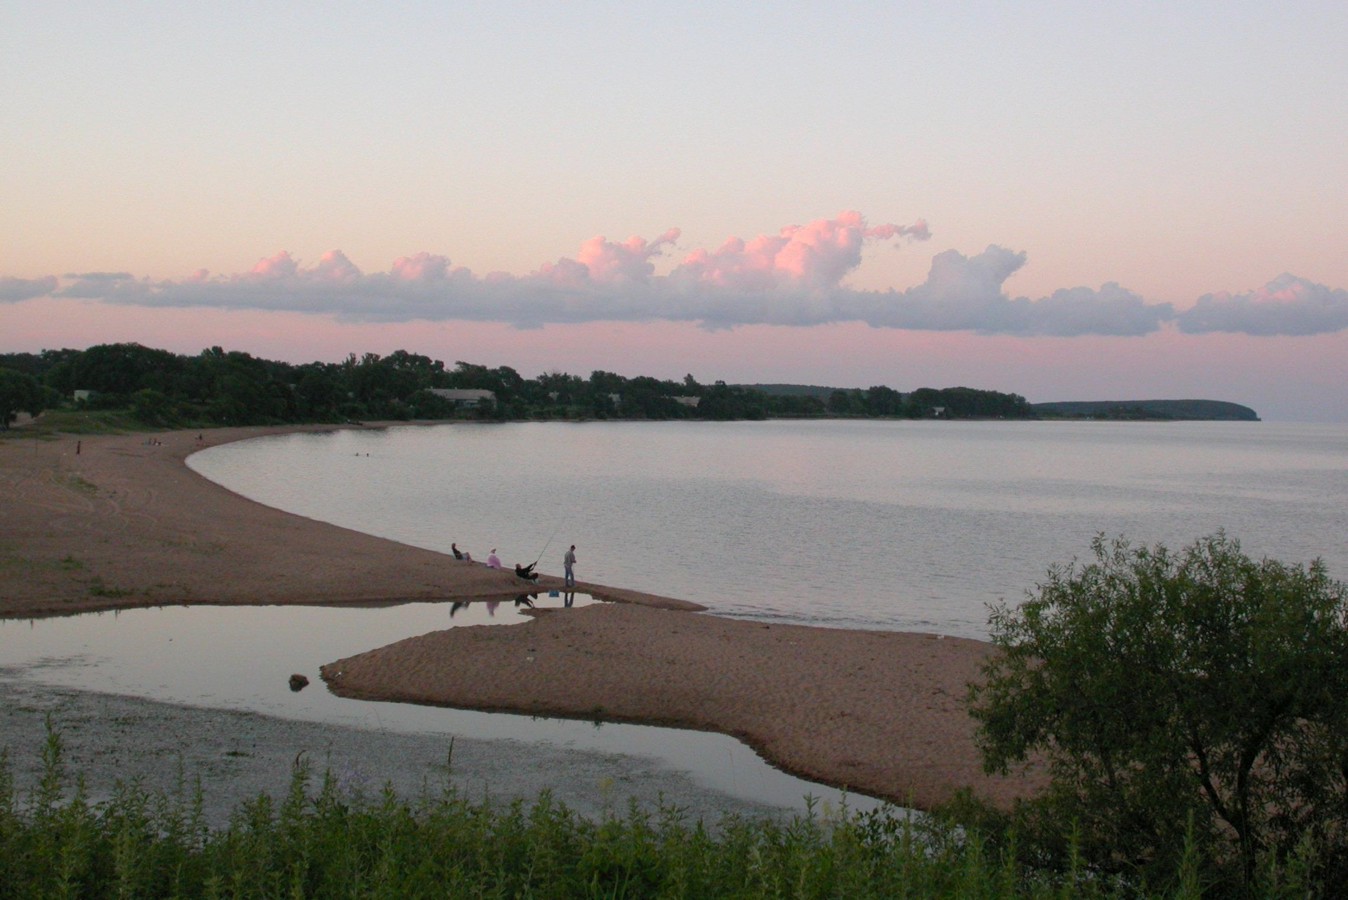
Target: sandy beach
120,521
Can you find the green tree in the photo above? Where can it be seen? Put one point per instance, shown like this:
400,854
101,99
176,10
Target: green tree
117,369
1203,690
844,403
152,407
19,393
883,401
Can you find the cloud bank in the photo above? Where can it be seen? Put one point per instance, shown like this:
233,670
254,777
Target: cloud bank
1287,305
12,290
794,278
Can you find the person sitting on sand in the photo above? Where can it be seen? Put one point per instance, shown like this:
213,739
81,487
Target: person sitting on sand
458,554
493,561
526,572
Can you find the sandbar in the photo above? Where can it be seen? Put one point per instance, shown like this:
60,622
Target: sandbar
119,521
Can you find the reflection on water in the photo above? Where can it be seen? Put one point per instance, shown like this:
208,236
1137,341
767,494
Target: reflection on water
243,658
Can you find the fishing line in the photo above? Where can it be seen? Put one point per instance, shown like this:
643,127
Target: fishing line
549,543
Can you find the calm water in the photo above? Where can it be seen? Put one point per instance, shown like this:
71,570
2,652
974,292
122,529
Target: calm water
241,658
892,525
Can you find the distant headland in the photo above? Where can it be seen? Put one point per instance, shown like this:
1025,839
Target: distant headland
1186,410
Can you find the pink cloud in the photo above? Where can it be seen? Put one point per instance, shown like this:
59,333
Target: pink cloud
602,261
274,268
816,256
421,267
334,268
1286,305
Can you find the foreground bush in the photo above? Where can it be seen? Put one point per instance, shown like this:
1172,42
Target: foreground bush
1184,701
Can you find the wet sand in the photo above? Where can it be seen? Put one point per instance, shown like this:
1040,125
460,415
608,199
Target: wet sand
123,522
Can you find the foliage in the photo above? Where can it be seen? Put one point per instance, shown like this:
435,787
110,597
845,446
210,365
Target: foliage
1201,695
18,393
321,840
218,387
964,403
1218,410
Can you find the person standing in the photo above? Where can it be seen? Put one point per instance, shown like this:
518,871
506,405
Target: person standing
568,561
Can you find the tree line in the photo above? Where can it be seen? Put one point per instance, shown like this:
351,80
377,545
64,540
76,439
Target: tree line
219,387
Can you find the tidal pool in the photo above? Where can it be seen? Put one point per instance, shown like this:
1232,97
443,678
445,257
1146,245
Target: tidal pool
242,657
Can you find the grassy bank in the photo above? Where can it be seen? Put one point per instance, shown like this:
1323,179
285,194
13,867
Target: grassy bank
324,840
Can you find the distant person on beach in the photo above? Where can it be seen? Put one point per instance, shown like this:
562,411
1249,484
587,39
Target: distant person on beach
458,554
526,572
568,561
493,561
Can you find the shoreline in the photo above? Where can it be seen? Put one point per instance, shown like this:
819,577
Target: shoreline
124,522
237,755
118,521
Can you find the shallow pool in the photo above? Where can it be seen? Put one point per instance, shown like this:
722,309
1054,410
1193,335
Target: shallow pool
242,657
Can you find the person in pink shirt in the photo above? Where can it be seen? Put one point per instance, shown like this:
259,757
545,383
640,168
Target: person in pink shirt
493,561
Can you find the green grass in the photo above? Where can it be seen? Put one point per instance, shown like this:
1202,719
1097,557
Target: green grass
69,563
81,485
55,422
13,561
325,840
98,589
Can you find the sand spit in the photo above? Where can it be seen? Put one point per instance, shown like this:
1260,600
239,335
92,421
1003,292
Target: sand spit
879,713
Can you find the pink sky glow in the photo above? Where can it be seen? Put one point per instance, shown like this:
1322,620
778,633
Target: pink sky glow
1068,202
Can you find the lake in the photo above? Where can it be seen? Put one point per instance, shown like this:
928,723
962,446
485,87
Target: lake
904,525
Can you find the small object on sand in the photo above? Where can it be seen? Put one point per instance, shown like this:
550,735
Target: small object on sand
298,682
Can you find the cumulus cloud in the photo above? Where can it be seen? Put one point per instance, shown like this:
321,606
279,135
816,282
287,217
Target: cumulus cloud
815,256
1287,305
793,278
602,261
13,290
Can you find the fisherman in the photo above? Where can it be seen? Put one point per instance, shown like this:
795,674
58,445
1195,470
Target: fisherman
568,561
526,572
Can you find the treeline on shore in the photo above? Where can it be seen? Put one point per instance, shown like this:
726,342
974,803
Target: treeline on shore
219,387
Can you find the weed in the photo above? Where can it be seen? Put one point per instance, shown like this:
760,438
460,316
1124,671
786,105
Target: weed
84,486
322,839
98,589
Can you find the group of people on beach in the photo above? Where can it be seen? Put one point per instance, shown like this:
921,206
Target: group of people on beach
525,572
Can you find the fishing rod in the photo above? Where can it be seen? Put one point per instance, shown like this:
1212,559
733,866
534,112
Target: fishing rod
549,543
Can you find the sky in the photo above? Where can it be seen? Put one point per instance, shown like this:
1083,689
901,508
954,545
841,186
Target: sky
1062,200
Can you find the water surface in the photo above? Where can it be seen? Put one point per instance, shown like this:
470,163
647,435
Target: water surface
893,525
242,657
